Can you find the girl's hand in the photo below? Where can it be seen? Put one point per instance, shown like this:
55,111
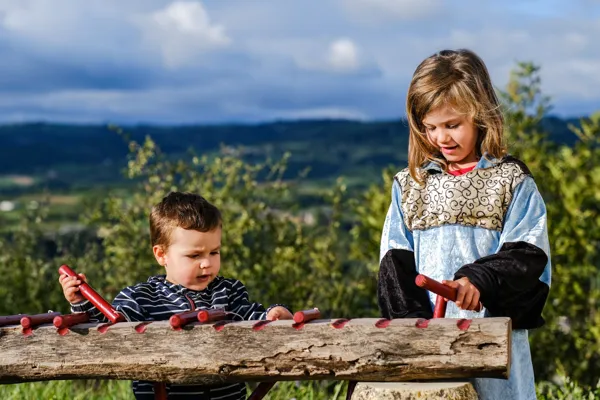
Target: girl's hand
70,287
279,313
467,297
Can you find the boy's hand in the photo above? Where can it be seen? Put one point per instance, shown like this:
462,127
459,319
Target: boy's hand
467,297
70,286
279,313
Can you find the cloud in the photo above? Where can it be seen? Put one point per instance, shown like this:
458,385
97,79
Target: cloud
391,10
182,31
324,113
159,61
343,55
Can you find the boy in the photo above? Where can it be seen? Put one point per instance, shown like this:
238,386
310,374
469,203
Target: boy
185,231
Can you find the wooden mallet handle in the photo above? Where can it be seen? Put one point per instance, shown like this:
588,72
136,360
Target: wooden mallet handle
211,315
93,297
67,321
30,321
436,287
11,319
183,318
440,289
306,315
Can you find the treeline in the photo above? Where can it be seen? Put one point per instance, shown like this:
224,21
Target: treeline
66,156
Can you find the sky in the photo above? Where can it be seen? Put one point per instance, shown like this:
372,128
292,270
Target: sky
247,61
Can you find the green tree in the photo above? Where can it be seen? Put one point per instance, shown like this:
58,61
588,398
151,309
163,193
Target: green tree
29,261
569,180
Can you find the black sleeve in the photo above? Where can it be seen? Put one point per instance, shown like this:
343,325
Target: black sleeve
397,294
509,283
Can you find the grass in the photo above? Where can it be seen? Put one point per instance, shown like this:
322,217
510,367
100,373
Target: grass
68,390
121,390
308,390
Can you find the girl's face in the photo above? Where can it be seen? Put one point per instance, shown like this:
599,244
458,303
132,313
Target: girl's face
454,134
193,258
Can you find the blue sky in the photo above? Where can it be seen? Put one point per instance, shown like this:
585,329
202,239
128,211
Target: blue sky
213,61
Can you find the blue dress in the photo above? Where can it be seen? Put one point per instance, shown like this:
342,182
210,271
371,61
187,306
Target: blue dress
489,225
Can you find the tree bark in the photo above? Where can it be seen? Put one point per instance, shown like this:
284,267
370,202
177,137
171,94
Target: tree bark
359,349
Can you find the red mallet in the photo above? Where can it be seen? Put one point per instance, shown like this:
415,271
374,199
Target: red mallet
11,319
178,320
306,315
443,292
94,298
212,315
67,321
31,321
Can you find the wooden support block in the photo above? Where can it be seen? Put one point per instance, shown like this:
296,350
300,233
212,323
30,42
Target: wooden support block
414,391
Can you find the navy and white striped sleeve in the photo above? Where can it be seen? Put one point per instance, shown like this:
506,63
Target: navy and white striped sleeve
240,304
124,303
86,306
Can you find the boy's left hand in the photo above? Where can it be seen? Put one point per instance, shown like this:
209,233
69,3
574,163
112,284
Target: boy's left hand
279,313
467,296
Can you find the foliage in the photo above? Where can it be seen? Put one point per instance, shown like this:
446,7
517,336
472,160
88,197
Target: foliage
68,390
29,260
569,179
566,389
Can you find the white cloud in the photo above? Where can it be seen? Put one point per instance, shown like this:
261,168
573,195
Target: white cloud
72,31
340,55
377,10
323,113
343,55
251,61
182,31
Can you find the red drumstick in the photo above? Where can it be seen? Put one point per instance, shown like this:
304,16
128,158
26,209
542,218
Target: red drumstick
67,321
212,315
180,319
436,287
94,298
307,315
30,321
11,319
441,290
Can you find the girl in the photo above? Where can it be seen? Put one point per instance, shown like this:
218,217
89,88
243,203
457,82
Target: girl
467,214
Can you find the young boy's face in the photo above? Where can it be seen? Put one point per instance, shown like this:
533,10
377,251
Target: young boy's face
193,258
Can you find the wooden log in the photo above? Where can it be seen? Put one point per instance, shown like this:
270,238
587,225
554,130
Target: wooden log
358,349
414,391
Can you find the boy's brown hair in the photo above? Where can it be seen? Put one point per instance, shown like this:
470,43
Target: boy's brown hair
184,210
460,79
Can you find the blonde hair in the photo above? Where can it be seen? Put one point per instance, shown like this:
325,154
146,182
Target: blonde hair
184,210
458,78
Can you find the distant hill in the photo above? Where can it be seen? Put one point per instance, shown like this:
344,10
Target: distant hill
79,154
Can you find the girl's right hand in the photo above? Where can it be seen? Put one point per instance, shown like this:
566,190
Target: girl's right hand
70,287
467,295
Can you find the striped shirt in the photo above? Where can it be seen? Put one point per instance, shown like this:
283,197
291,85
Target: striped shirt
158,299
